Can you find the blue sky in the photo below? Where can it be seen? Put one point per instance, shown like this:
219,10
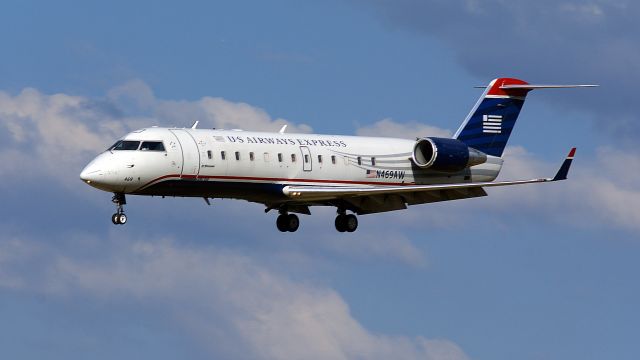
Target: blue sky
536,272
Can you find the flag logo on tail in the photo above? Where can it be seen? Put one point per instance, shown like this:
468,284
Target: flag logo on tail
492,124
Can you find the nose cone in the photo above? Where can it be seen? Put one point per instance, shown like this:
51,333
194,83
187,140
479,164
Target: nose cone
91,174
98,173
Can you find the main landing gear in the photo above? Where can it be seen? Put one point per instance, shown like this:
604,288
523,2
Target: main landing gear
344,222
290,223
287,222
119,218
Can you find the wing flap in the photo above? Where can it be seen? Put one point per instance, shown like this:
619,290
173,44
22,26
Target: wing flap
312,192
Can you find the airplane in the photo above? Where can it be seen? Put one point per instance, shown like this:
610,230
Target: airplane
290,172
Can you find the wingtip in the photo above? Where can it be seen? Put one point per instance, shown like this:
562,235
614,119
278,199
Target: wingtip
566,165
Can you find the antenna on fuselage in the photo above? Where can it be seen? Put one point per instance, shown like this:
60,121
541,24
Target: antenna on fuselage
195,124
284,127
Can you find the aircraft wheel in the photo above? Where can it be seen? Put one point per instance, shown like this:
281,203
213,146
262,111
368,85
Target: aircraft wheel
114,219
122,219
281,223
293,223
350,223
341,223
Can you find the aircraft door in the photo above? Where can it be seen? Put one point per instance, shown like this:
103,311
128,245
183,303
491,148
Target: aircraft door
190,153
306,158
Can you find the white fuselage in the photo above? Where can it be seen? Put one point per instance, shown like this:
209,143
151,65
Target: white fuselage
256,165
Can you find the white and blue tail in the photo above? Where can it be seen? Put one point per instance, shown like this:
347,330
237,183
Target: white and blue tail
489,124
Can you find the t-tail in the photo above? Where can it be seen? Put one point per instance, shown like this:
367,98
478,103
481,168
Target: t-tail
489,124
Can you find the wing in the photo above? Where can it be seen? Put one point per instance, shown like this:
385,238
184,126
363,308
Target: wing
376,198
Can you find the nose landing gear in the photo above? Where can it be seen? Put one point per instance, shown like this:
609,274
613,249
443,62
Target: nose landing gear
119,218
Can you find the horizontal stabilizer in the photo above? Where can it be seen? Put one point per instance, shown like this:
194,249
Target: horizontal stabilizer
533,87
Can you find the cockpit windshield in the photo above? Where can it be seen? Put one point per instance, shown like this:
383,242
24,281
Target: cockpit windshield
135,145
125,145
152,146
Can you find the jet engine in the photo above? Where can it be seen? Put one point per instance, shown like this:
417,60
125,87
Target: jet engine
446,155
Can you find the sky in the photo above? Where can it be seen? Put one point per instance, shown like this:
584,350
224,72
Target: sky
534,272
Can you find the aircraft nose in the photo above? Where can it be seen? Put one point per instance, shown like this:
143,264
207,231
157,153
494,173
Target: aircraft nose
100,173
90,173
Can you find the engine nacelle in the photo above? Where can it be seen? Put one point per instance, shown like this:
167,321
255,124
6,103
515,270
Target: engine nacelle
446,155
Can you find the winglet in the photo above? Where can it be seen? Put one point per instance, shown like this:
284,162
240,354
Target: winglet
284,127
564,169
195,124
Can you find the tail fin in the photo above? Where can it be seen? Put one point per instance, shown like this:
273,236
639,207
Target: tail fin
489,124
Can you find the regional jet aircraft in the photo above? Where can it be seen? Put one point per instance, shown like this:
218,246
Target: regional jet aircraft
290,173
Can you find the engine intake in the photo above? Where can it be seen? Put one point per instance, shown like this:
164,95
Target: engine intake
446,155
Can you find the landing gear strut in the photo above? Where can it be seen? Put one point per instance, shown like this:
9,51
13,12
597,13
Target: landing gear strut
119,218
344,222
287,222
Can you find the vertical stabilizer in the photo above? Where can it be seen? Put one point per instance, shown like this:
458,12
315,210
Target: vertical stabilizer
489,124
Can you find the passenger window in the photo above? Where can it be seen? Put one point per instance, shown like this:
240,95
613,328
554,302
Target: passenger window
209,154
320,159
251,156
266,157
279,157
126,145
359,160
223,155
306,158
152,146
373,161
237,155
293,157
333,159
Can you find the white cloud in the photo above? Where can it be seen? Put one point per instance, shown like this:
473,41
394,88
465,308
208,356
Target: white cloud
375,244
13,254
598,192
601,191
48,130
56,135
588,11
134,93
136,96
567,41
411,130
234,305
53,136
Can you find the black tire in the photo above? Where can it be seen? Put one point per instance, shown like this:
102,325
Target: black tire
114,219
293,223
281,223
122,219
350,223
341,223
